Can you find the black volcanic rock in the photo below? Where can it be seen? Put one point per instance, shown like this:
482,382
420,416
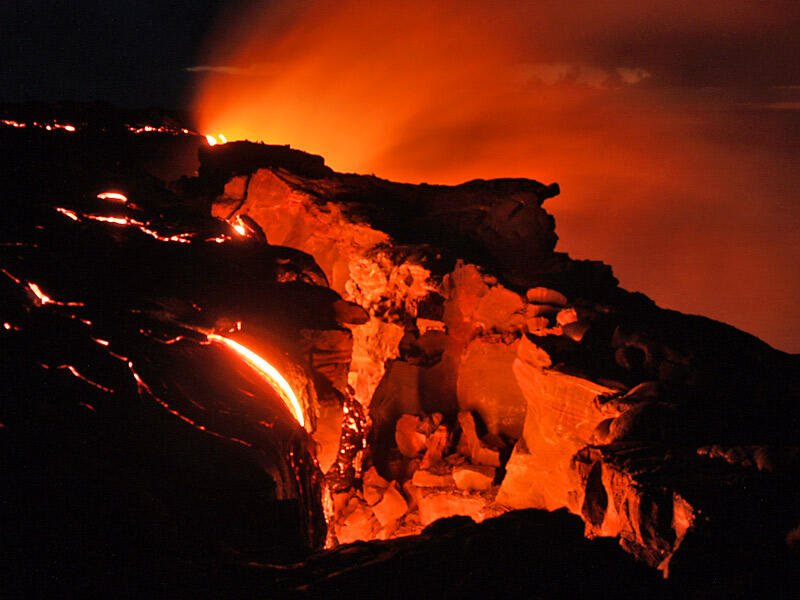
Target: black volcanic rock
136,449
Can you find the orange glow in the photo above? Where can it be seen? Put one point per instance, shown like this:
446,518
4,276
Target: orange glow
68,213
113,196
77,374
269,373
220,239
213,141
43,298
444,92
238,227
114,220
181,238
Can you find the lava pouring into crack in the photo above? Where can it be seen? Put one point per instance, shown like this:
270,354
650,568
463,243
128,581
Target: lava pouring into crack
267,372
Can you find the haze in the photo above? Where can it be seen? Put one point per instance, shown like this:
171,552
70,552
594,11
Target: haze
673,129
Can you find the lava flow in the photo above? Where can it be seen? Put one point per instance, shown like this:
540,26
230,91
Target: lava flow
267,372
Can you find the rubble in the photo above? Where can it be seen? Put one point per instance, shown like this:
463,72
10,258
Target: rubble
471,446
437,444
357,522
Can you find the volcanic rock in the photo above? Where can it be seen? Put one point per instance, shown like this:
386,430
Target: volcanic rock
436,504
391,507
374,486
424,478
486,385
471,446
437,444
674,433
581,342
542,295
473,477
410,440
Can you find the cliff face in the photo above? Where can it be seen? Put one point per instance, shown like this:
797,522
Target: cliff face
638,419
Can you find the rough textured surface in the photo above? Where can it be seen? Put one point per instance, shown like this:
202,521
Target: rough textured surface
676,434
134,446
545,351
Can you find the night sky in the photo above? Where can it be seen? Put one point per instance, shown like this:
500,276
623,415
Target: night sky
672,127
131,53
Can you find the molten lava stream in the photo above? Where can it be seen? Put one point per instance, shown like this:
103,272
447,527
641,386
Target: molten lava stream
269,373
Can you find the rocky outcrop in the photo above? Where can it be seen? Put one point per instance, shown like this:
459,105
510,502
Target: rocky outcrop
471,309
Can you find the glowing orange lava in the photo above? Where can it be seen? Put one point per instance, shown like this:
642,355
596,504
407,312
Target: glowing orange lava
213,141
238,226
113,196
68,213
269,373
43,298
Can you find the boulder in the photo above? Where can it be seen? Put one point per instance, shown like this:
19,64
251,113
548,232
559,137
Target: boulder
423,478
487,386
437,504
542,295
391,507
471,446
373,486
473,477
410,440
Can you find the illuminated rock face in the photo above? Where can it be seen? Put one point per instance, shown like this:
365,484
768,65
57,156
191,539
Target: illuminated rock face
562,413
472,310
497,373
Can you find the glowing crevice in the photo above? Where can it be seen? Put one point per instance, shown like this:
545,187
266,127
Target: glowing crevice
113,196
77,374
144,388
45,299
